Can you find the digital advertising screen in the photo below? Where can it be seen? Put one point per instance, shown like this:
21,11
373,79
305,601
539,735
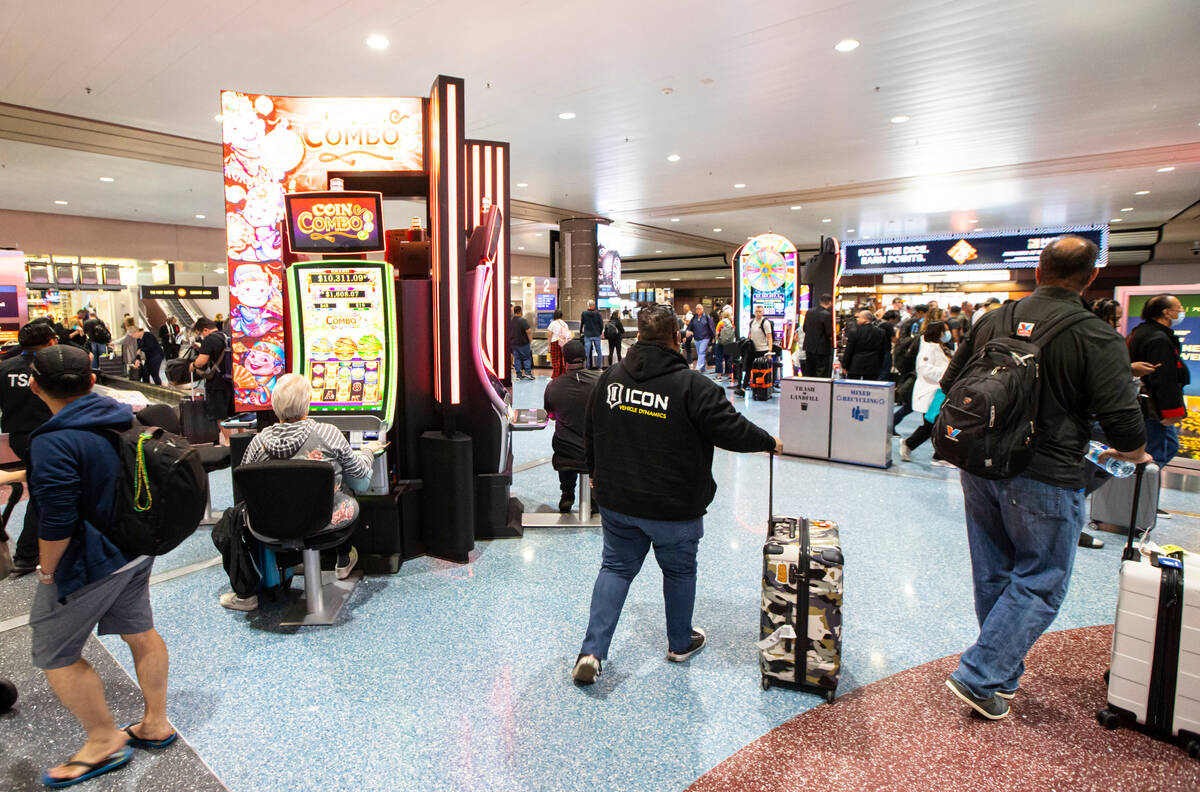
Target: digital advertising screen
10,307
608,263
1133,299
947,252
335,222
766,268
343,326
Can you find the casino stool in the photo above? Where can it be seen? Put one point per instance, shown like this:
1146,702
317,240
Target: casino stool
212,455
585,517
289,504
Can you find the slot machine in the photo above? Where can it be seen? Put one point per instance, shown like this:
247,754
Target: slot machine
765,268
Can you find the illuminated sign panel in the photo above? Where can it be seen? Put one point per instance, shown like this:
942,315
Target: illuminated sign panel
982,251
274,145
335,222
180,292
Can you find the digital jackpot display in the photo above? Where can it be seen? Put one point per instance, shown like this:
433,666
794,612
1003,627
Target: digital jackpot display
766,268
343,325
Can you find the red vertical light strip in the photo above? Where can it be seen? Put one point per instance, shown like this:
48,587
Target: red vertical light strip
489,340
500,300
454,239
474,197
435,232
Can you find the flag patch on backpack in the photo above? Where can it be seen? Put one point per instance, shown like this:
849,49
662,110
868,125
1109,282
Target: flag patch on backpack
1025,329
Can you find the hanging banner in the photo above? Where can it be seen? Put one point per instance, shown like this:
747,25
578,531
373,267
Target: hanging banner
981,251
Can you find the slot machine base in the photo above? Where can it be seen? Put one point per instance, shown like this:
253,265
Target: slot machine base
492,507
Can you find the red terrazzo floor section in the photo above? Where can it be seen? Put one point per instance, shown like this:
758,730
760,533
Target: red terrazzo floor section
908,732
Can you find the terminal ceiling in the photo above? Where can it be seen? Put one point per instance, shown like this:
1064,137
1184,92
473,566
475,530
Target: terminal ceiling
1020,113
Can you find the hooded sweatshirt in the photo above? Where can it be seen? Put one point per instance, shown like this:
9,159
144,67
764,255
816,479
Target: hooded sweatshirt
309,439
73,476
651,426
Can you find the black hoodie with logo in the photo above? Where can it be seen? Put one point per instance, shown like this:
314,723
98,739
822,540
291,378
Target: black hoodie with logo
651,426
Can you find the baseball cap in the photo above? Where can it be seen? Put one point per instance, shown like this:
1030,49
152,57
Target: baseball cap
573,351
37,333
63,368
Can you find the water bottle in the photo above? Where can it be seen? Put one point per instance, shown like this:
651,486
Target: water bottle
1118,468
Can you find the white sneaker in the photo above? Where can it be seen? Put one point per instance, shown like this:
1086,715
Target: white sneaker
941,463
905,454
346,564
232,601
587,668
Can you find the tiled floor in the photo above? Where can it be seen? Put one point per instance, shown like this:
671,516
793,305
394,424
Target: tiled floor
456,677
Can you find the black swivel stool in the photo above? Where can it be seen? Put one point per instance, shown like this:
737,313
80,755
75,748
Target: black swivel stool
289,504
213,456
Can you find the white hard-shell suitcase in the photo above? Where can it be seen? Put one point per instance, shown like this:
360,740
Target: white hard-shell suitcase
1154,670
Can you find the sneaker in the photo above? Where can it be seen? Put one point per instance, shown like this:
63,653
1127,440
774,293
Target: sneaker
940,463
698,641
1007,695
587,668
22,568
566,502
905,453
739,392
993,708
1089,541
1163,514
345,563
232,601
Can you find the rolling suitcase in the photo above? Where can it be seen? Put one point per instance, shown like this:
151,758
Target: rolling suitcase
1154,669
761,378
800,626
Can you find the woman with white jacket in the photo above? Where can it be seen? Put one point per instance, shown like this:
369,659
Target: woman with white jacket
559,334
932,360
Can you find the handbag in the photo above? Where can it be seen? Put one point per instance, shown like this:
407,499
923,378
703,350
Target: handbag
935,406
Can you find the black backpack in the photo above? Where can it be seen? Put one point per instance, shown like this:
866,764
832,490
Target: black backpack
904,359
96,331
611,333
161,494
988,422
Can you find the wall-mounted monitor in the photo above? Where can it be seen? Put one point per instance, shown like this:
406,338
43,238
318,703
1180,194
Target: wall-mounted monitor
89,275
38,274
64,275
335,223
110,275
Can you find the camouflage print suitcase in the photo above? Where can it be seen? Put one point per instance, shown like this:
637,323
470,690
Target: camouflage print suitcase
801,622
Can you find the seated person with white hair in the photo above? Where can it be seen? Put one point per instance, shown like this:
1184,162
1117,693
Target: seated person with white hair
297,436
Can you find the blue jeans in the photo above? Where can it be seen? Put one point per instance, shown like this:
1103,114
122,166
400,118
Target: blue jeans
627,540
718,356
702,353
1162,442
523,359
98,351
1022,534
590,343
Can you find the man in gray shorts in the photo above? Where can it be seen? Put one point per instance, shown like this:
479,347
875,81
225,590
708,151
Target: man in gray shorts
85,581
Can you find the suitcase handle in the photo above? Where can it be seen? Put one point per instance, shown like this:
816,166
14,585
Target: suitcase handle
771,487
1131,553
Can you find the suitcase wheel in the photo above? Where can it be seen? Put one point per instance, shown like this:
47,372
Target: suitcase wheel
1108,719
1193,749
765,683
1106,676
829,694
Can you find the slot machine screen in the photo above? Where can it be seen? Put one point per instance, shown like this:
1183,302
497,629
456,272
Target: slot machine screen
343,330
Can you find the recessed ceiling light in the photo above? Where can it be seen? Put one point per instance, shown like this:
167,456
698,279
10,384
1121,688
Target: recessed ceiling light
1115,220
520,247
219,270
1142,192
900,119
378,41
537,235
797,206
1127,209
566,116
972,220
199,217
674,278
826,219
849,230
716,230
522,184
218,118
107,179
739,186
846,45
658,251
672,158
1167,169
674,219
61,203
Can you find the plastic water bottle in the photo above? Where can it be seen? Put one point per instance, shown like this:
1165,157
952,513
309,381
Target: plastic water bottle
1118,468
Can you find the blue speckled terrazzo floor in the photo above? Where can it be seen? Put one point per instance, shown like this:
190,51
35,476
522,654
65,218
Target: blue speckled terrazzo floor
456,677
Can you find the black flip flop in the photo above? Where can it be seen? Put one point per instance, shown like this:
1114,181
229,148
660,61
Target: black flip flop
113,761
154,745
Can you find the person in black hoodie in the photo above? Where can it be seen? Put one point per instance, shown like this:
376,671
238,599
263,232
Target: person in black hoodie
651,427
20,413
566,401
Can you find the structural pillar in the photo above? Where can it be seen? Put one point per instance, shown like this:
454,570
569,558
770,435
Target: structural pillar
577,278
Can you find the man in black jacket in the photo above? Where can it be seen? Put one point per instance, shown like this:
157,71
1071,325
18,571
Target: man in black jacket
865,345
1155,343
651,427
566,400
21,411
1023,531
591,327
818,340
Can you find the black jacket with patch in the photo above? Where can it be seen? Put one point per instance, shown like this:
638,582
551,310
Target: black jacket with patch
651,426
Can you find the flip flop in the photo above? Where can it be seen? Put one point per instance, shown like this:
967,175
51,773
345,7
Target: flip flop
112,762
138,742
